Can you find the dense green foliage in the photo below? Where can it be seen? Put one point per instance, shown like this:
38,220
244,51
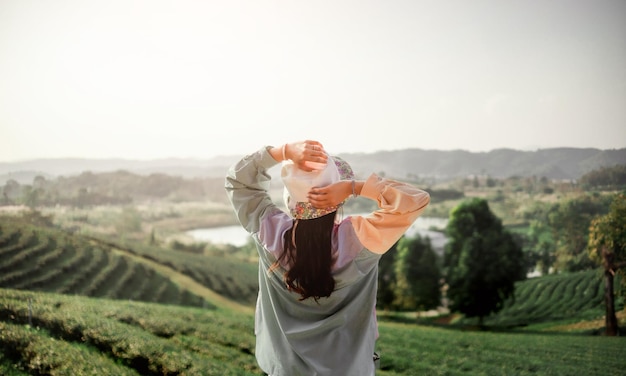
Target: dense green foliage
409,276
555,234
482,260
569,223
385,294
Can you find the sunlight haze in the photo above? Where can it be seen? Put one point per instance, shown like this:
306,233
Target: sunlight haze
158,79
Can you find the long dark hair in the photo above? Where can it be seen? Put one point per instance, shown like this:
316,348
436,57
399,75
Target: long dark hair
308,252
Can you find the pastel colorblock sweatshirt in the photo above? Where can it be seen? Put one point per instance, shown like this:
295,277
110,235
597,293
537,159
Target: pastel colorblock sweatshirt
335,335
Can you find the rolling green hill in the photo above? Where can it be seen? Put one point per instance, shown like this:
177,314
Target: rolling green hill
40,258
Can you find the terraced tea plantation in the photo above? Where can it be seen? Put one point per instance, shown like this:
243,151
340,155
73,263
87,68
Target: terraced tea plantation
229,277
553,298
42,258
72,335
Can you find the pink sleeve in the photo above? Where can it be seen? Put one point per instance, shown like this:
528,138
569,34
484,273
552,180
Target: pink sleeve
399,206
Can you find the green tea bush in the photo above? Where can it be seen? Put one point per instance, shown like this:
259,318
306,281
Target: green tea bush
142,338
41,354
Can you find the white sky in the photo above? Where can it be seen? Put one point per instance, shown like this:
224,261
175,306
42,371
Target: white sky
151,79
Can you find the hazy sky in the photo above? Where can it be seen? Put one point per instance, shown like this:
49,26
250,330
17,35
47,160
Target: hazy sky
150,79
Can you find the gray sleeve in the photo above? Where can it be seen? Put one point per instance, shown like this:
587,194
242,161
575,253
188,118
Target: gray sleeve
247,184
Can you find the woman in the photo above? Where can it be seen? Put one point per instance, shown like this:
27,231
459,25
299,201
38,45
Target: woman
315,312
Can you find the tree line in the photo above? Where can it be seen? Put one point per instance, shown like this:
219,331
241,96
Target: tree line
123,187
110,188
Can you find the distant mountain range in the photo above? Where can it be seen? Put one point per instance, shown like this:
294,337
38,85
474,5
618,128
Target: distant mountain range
554,163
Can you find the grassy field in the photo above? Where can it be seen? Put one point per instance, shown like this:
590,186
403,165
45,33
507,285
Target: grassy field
408,349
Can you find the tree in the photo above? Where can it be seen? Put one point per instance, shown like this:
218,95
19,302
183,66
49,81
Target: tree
386,279
607,246
11,191
482,260
417,275
541,247
569,222
30,196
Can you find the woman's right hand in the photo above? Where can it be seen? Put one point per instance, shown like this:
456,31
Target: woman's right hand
306,155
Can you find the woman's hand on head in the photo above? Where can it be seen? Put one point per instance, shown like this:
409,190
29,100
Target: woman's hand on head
304,152
330,195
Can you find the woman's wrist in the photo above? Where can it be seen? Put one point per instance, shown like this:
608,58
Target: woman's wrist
280,153
358,186
353,188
